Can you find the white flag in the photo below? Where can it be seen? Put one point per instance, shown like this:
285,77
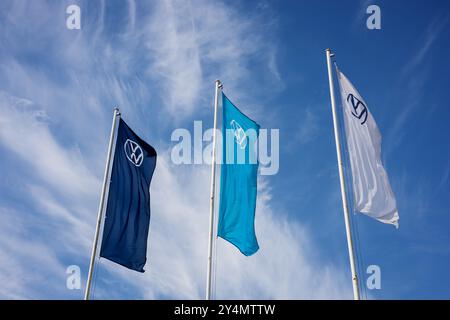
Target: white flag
373,195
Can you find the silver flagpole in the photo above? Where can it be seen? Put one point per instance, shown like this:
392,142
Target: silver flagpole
102,203
211,205
341,179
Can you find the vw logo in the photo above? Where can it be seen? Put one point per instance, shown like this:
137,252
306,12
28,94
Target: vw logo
239,134
359,108
133,152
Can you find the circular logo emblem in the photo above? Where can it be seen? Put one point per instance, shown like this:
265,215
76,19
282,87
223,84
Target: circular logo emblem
359,108
239,134
133,152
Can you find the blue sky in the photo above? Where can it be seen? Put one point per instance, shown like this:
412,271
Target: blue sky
158,61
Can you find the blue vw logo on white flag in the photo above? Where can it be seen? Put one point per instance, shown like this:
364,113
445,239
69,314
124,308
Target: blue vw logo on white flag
372,191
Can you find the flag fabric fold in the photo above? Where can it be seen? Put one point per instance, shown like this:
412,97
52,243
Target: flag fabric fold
238,179
372,191
127,215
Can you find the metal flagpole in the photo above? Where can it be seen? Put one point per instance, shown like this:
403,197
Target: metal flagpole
213,185
102,203
341,179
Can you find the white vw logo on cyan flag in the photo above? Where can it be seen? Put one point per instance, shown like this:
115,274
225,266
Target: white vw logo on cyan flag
133,152
239,134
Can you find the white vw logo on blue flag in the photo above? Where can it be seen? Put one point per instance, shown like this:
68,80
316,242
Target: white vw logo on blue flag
133,152
239,134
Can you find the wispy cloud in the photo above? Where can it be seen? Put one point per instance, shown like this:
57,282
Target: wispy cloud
308,127
431,35
412,79
192,43
29,269
24,131
361,14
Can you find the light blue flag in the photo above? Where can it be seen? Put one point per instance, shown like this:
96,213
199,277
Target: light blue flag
238,179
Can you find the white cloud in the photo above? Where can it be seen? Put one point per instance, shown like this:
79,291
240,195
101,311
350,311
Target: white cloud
193,43
23,131
29,269
131,15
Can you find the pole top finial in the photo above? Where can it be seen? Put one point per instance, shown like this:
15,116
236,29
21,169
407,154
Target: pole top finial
331,52
117,111
219,84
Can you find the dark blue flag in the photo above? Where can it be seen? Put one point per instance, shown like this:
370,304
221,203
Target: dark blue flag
128,210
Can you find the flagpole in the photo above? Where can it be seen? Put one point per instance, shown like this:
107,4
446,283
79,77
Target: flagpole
342,180
211,204
102,203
